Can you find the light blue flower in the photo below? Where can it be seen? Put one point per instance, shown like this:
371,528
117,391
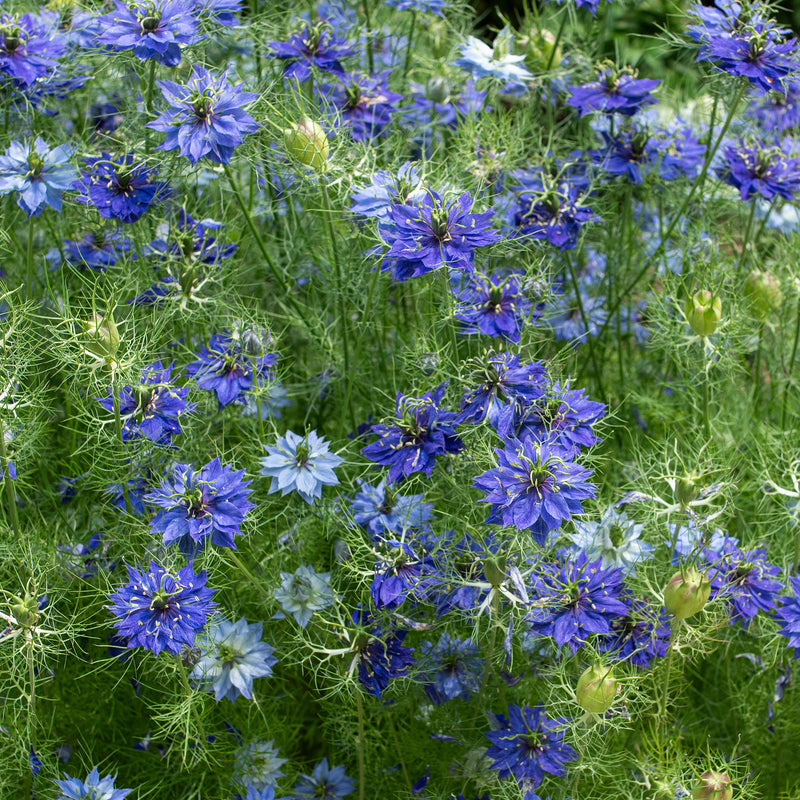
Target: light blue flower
381,510
303,592
93,788
258,765
301,463
430,6
495,62
274,397
233,655
324,783
689,539
615,539
38,173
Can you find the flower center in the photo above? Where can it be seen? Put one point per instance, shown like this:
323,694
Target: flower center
617,534
150,23
389,501
440,225
227,654
35,165
195,502
12,38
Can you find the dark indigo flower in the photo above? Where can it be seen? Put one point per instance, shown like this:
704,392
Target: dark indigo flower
459,566
304,592
534,487
433,234
559,415
300,463
312,45
197,506
93,787
160,609
382,510
324,783
759,169
152,408
640,636
437,104
744,580
379,652
387,189
493,305
223,368
98,250
566,317
151,29
500,380
205,117
233,655
191,241
778,110
119,189
527,745
400,573
572,600
613,92
30,46
364,104
38,173
450,668
420,431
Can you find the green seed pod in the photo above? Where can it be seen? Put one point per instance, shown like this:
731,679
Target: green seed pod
703,312
494,568
686,593
686,489
25,611
763,291
541,50
713,785
597,688
307,143
101,337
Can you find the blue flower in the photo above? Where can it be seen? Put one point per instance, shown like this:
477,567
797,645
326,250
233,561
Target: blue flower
496,62
534,487
312,45
388,189
758,169
303,592
160,609
205,117
640,636
119,189
363,103
151,29
267,793
614,539
30,46
613,92
257,766
151,409
324,783
421,6
567,319
778,110
300,463
198,506
98,250
450,668
233,655
528,744
420,432
190,240
381,510
459,572
38,173
93,788
574,599
225,369
399,574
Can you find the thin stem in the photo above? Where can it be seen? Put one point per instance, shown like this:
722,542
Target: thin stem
495,606
791,367
11,496
408,44
257,400
233,555
757,373
367,17
746,240
118,425
189,695
704,362
29,256
396,741
664,699
362,768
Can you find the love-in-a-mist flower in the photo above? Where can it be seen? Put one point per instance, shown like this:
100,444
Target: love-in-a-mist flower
311,46
257,765
152,408
30,46
93,788
574,599
300,463
613,92
640,636
303,592
363,103
420,431
162,609
324,783
387,189
534,487
382,510
762,169
498,62
226,369
121,188
232,657
202,505
452,668
151,29
37,173
205,117
527,745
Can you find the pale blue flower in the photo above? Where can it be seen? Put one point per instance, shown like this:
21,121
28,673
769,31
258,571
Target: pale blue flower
495,62
690,539
258,765
615,539
232,656
301,463
274,397
324,783
303,592
93,788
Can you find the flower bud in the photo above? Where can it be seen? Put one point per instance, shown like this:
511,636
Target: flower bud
428,363
101,337
307,142
541,51
703,312
25,611
763,291
438,89
686,593
597,688
686,489
713,785
190,656
494,568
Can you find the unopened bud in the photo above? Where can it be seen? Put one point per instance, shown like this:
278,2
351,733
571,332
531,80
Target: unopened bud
686,593
494,568
703,312
101,337
428,363
190,656
438,89
597,688
686,489
307,142
713,785
541,52
763,292
25,611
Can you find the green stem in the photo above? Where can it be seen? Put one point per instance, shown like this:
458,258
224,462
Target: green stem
362,769
151,87
495,607
11,496
257,400
664,699
704,362
746,240
29,257
118,425
233,555
190,696
370,60
396,741
791,367
757,374
408,44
